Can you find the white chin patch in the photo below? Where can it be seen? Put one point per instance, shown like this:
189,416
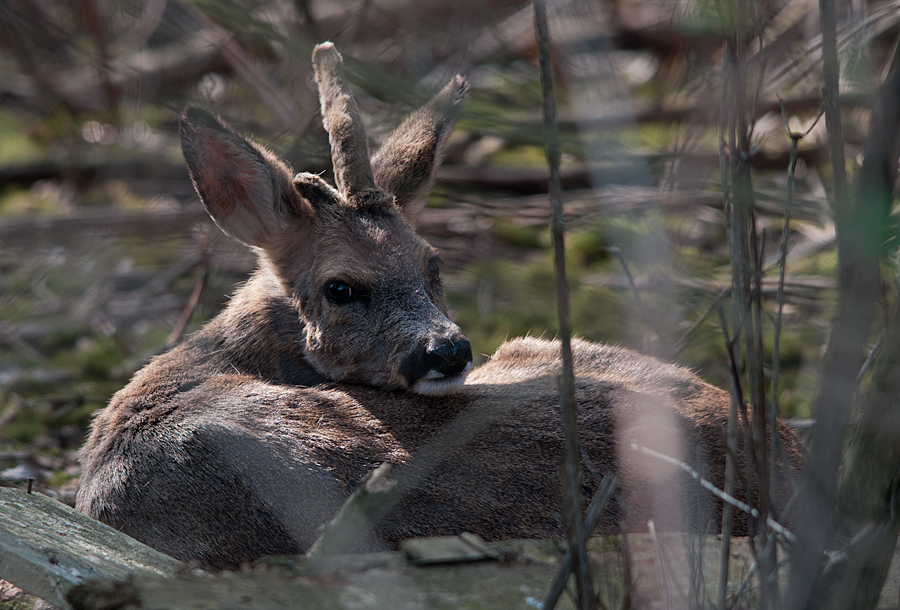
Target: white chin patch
438,384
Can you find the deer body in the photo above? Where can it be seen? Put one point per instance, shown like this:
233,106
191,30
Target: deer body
337,356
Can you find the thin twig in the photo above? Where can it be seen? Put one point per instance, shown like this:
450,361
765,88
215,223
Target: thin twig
725,556
571,472
660,571
592,516
625,557
743,586
779,308
682,343
870,359
763,64
869,531
194,299
142,29
189,309
93,25
642,310
859,285
245,67
410,475
355,514
776,527
17,403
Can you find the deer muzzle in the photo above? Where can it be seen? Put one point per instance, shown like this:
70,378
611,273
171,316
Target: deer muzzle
439,364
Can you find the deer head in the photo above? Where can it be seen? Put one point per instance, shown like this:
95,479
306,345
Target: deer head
365,286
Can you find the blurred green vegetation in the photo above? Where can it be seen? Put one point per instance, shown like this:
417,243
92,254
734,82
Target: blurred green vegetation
80,314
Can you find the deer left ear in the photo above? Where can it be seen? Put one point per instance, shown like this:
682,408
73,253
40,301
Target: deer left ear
405,164
245,189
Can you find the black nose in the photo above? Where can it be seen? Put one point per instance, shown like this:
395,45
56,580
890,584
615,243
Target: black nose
448,356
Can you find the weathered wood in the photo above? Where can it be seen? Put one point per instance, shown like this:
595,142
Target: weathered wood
519,579
355,514
52,551
447,549
47,548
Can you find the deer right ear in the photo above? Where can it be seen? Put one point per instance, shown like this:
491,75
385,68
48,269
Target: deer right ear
405,164
245,189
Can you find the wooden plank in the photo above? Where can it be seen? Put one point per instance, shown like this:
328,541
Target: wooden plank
47,548
446,549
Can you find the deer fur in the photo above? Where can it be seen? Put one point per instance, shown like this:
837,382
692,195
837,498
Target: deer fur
337,356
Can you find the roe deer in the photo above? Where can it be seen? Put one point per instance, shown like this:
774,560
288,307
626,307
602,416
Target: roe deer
337,355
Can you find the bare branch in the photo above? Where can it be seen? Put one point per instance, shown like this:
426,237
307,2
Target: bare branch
571,471
777,527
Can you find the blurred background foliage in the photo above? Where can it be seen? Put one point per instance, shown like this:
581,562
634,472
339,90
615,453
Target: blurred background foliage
107,257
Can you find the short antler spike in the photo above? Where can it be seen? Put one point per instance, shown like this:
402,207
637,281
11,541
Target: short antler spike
340,116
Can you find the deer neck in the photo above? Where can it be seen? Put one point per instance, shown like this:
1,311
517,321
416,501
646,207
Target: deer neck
261,333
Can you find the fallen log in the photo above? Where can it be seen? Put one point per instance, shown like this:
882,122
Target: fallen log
47,548
76,563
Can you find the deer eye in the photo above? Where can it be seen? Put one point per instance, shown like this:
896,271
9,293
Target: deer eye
338,292
434,269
